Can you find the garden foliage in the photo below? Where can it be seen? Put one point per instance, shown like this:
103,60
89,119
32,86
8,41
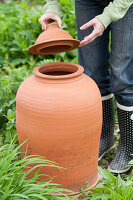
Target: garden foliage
17,184
113,188
19,29
10,79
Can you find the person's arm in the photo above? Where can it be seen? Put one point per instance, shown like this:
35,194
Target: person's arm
52,11
52,6
114,11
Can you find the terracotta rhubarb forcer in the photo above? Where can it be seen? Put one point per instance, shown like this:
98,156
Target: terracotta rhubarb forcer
54,40
59,113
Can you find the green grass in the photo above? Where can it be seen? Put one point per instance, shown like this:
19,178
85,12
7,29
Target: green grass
15,183
112,188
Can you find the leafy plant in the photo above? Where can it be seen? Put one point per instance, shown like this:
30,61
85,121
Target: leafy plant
131,162
20,29
10,79
15,183
113,188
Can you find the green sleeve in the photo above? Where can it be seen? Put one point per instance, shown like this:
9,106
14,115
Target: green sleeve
52,6
114,11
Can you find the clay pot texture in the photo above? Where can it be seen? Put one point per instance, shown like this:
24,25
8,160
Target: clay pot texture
59,111
53,40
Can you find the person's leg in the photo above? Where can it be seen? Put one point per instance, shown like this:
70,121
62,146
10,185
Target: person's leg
94,57
122,87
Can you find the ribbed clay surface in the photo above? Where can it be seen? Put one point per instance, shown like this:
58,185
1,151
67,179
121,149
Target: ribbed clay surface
61,116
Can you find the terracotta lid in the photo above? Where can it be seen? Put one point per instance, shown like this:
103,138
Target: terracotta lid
53,40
